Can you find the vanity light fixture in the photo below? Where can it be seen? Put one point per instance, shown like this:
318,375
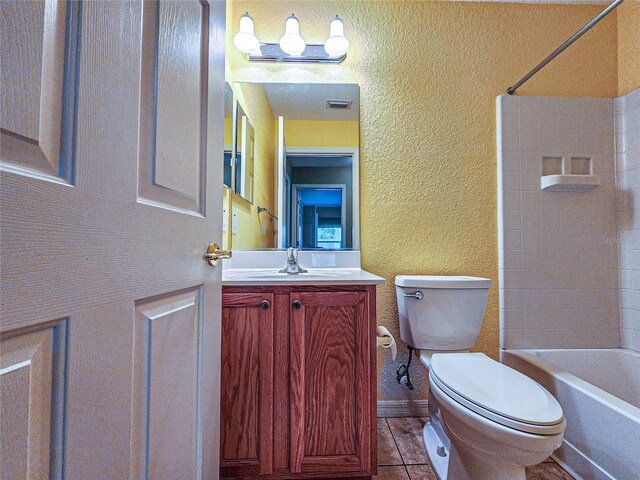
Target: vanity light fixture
291,42
337,44
245,40
292,48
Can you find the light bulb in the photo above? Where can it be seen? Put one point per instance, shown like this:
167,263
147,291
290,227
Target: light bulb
245,40
337,44
291,42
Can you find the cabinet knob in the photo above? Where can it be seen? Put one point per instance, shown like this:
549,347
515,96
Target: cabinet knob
264,305
296,305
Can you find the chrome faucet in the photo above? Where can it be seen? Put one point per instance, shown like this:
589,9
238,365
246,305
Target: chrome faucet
292,262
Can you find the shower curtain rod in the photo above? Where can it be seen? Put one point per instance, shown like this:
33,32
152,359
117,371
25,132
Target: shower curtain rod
561,48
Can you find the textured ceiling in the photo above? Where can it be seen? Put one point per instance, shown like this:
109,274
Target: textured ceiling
307,101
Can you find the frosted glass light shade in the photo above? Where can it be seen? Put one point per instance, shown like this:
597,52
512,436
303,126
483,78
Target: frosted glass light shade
245,40
337,44
291,42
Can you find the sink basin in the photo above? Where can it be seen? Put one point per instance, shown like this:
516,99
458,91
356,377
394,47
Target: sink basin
271,274
267,276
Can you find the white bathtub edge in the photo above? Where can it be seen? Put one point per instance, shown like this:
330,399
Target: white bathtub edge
630,411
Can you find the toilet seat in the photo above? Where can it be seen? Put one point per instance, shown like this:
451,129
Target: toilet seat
497,392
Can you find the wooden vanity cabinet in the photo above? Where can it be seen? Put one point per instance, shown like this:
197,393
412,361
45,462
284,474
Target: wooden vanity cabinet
298,393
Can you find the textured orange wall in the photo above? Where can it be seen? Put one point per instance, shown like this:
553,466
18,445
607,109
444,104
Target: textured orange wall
429,73
628,15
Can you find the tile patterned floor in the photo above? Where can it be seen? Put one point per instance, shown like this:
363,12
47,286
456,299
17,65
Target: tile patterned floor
401,454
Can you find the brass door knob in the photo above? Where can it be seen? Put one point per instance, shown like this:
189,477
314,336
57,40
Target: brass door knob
214,253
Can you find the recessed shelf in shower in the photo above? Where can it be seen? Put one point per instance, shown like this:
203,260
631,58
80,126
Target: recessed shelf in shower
568,173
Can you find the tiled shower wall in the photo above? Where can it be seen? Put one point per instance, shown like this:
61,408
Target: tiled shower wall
627,129
558,251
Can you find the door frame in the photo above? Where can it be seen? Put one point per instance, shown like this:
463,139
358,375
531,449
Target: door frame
352,152
321,186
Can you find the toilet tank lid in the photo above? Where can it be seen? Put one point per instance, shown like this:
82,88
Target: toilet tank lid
442,281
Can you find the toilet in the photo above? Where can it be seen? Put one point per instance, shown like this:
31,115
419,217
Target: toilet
487,421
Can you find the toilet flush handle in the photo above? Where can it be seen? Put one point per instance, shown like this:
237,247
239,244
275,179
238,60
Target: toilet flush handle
418,295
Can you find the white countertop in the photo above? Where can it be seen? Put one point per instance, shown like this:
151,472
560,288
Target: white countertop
315,276
260,267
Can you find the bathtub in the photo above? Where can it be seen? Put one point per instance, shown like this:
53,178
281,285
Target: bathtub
599,390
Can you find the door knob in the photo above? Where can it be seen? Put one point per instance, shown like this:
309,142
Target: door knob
214,254
296,305
264,305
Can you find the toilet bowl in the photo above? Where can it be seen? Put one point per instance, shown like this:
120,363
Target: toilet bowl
498,421
487,421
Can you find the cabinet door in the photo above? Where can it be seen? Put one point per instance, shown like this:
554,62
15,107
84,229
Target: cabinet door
246,420
331,370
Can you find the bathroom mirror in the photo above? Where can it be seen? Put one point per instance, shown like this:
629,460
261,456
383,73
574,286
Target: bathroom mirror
304,171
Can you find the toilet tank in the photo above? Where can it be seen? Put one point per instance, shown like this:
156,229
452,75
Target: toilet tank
448,315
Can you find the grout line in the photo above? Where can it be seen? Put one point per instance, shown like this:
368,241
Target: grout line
407,470
396,444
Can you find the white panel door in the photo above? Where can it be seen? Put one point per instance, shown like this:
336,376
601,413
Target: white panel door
111,120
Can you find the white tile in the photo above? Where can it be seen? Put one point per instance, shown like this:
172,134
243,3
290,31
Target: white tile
530,240
530,181
548,105
551,201
567,124
512,339
569,141
528,105
550,220
530,160
531,259
512,240
629,319
529,124
531,200
509,123
630,279
512,259
529,141
550,144
511,181
553,318
630,339
510,161
541,338
619,124
633,158
590,338
530,219
512,220
547,123
510,142
511,200
532,279
508,104
630,299
512,318
512,298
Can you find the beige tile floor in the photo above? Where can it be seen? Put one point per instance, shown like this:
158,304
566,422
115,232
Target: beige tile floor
401,454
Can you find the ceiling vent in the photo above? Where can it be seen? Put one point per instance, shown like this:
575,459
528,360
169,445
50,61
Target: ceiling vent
339,104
